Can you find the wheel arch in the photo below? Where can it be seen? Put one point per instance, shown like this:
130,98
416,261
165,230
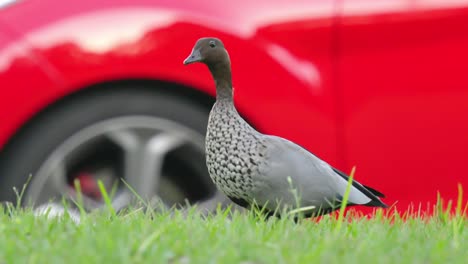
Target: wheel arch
194,95
17,144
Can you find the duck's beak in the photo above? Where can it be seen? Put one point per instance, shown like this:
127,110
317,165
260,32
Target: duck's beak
195,56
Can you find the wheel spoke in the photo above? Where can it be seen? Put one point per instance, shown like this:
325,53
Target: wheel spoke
53,185
131,145
155,151
143,158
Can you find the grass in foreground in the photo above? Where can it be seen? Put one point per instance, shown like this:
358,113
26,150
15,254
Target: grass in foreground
225,237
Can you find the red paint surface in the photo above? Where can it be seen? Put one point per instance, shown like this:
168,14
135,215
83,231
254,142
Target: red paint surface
380,86
403,88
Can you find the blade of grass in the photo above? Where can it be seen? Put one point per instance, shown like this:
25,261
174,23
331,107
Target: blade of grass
459,200
19,195
146,243
79,198
345,201
301,209
106,198
134,192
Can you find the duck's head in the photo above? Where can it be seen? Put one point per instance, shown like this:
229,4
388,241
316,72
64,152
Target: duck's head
209,51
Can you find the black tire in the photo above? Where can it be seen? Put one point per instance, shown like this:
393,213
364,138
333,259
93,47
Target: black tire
29,149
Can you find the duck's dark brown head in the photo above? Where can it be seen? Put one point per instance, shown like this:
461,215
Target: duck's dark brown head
209,51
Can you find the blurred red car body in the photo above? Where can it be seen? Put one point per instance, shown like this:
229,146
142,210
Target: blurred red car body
380,85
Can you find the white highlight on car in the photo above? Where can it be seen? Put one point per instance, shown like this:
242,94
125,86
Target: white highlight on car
4,3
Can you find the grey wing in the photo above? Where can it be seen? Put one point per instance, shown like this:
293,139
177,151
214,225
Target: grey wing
315,181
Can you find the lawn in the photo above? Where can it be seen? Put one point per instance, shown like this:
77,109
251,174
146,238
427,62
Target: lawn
138,236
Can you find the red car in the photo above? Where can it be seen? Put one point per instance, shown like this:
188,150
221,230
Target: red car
97,90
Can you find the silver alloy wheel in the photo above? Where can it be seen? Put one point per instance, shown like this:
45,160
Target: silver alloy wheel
141,145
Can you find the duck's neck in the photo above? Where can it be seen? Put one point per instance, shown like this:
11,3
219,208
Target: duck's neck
223,80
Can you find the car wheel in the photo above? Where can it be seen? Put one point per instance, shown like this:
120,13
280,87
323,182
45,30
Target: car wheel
152,140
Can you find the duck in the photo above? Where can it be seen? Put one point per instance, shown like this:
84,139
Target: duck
266,171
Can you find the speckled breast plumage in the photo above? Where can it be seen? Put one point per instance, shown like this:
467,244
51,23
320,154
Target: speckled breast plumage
233,151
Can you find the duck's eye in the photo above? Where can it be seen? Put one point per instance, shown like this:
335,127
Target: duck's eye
212,44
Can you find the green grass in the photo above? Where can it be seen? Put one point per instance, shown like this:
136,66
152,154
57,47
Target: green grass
175,236
225,237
